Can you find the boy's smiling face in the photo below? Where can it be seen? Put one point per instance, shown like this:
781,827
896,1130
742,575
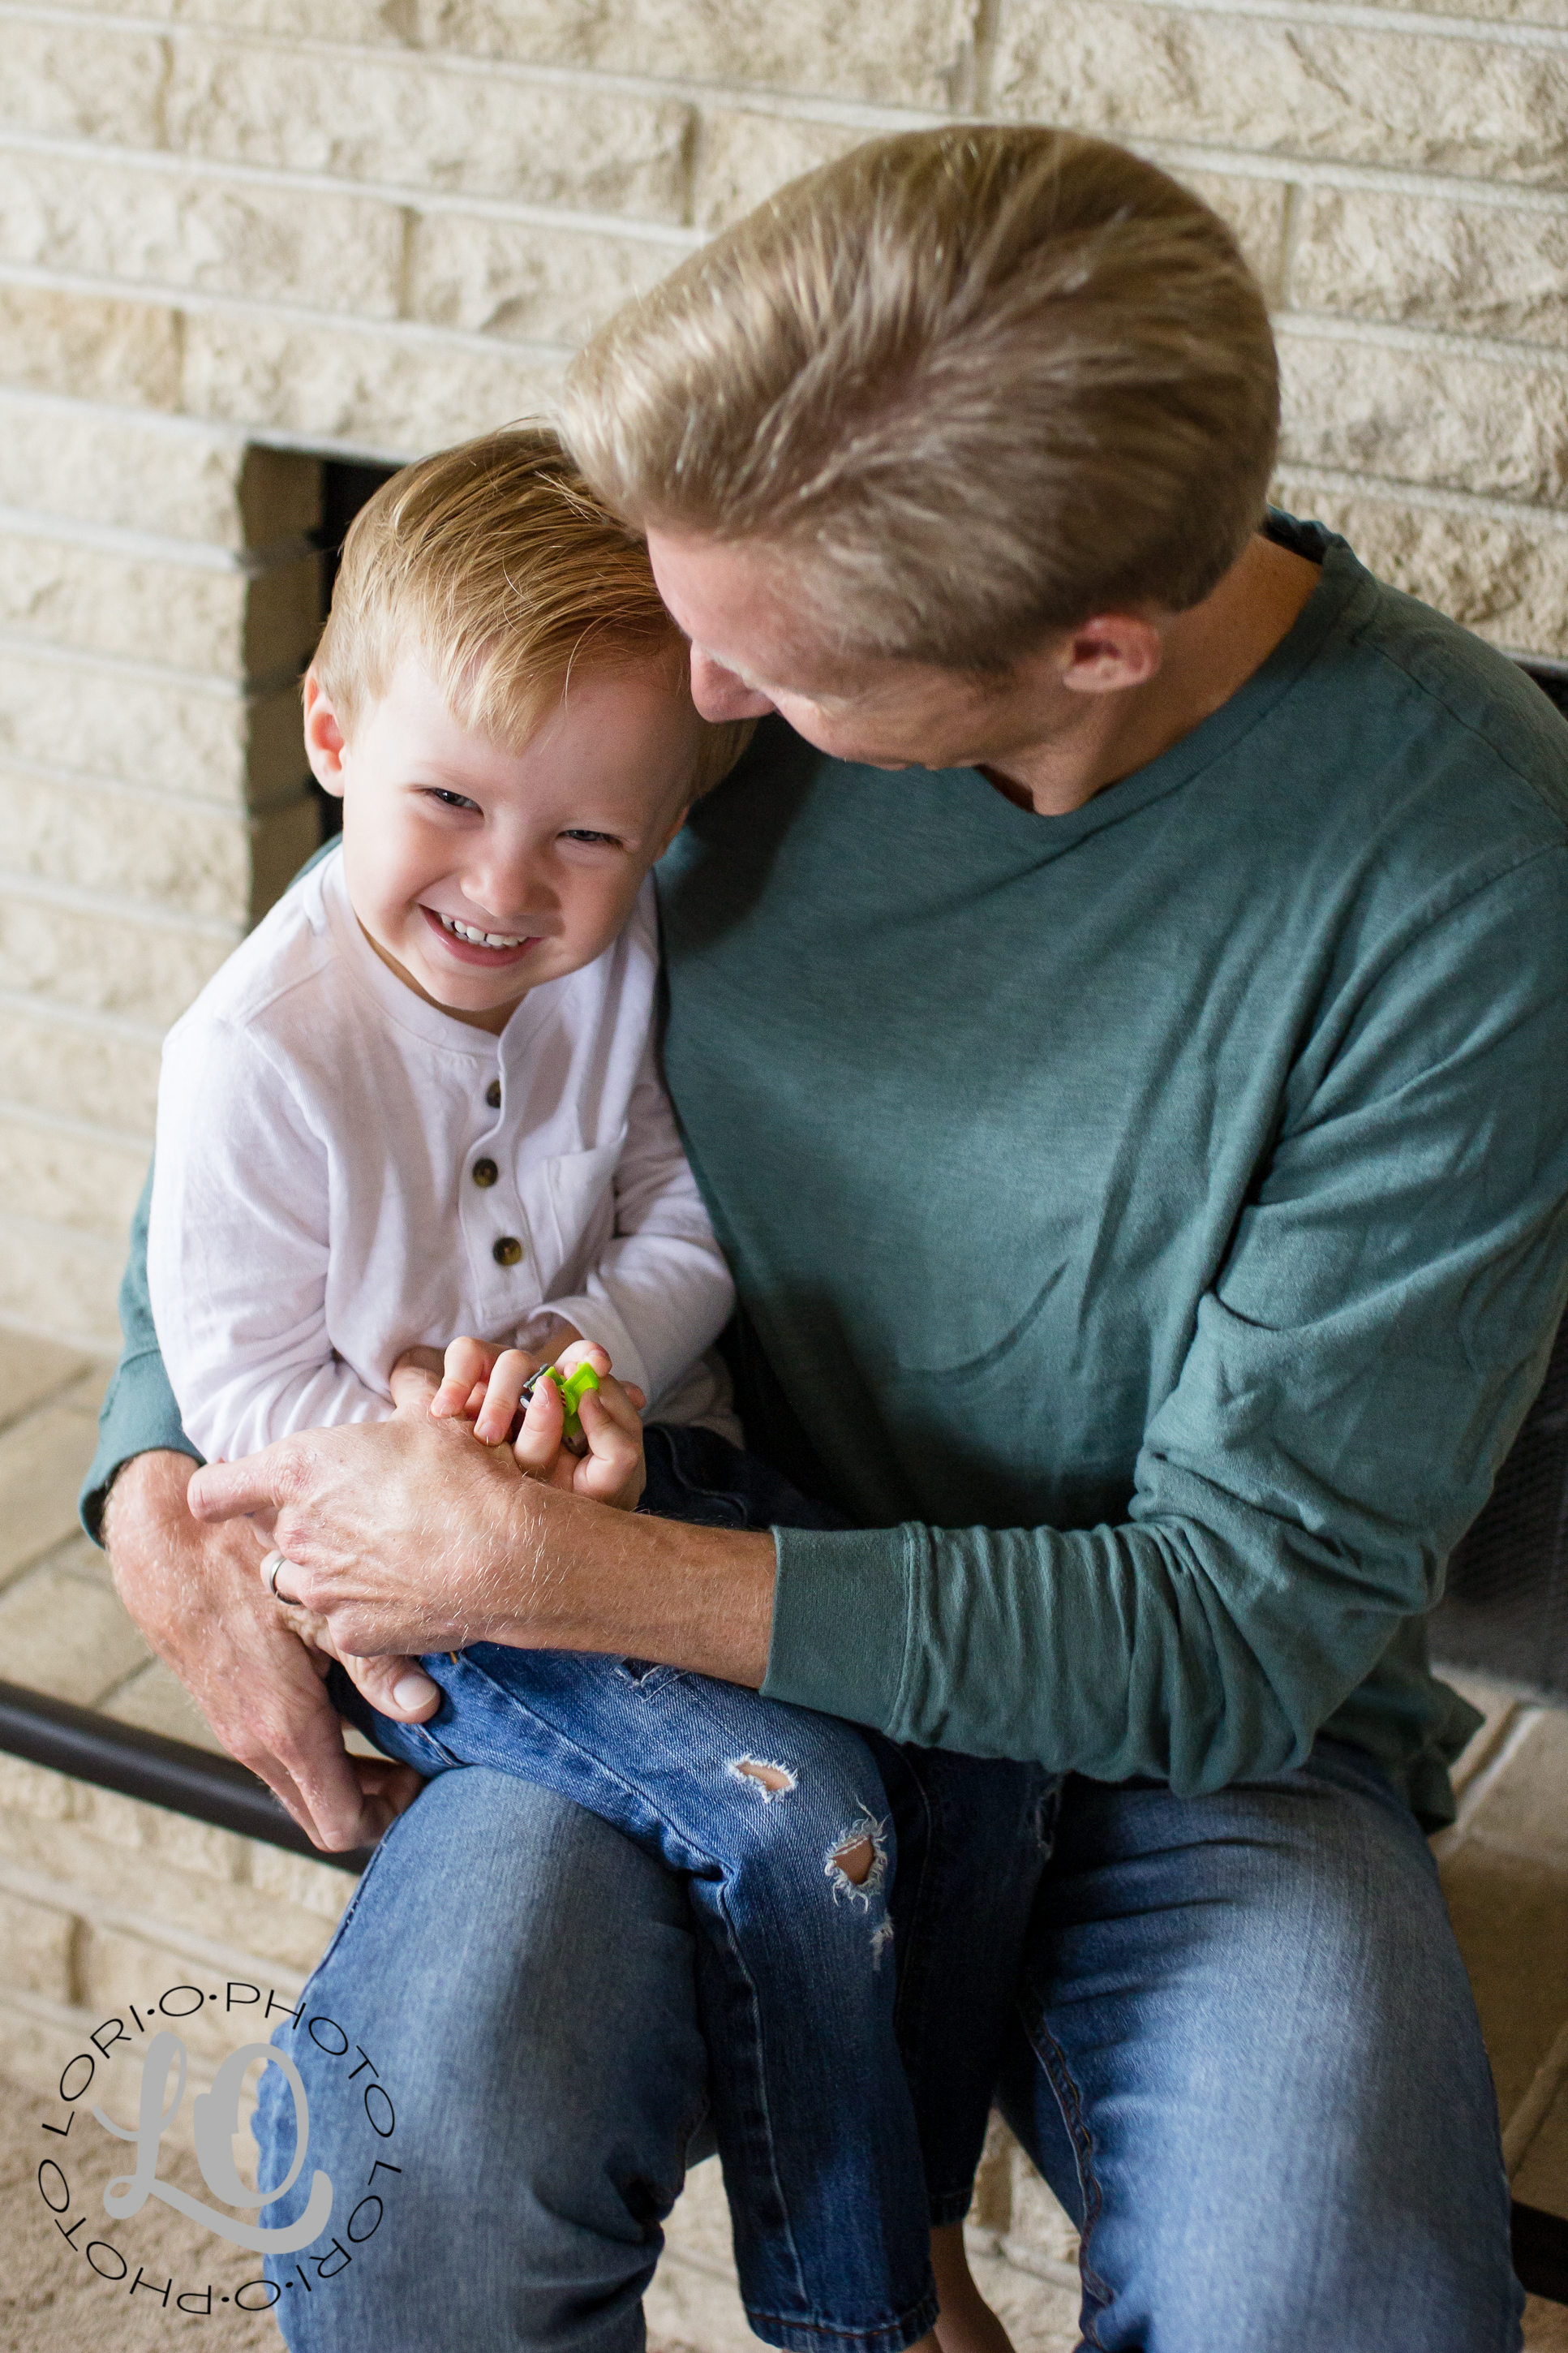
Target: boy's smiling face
476,872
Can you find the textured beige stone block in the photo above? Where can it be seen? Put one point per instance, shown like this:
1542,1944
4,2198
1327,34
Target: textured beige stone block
1517,12
1506,580
65,1637
139,1880
94,347
193,617
157,1701
128,1824
31,1372
104,465
426,122
169,853
1482,268
1038,2230
1447,420
146,970
1503,1906
1039,2316
377,21
1525,1811
742,157
83,82
35,1947
499,278
55,1280
169,733
30,1793
117,1969
390,395
1256,211
93,1074
1297,87
160,226
68,1179
314,1887
903,52
42,1460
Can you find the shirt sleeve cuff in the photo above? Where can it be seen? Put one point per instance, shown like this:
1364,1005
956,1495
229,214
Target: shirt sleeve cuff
138,1417
599,1323
840,1622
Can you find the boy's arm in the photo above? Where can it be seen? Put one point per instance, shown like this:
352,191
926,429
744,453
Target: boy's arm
660,1292
238,1249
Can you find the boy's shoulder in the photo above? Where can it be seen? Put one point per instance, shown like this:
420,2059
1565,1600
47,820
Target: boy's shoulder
289,961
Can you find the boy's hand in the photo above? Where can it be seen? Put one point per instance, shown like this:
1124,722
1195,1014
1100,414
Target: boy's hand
612,1469
478,1376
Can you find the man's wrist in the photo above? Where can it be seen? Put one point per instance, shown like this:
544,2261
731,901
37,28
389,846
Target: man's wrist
585,1576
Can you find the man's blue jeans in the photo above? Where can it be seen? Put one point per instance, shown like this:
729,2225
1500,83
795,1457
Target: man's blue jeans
1248,2062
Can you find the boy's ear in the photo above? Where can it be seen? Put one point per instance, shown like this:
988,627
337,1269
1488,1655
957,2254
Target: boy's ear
683,814
324,740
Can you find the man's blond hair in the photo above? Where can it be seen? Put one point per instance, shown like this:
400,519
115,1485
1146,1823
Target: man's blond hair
980,383
498,566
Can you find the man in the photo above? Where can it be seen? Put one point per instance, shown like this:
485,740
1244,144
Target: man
1118,1033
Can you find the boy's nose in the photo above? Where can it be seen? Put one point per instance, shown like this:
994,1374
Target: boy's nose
508,891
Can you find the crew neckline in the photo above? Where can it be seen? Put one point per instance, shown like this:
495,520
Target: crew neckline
1343,578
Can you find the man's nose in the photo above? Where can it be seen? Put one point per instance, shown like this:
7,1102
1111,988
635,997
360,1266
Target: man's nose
720,695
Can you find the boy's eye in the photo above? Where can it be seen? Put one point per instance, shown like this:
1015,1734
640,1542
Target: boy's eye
450,800
584,833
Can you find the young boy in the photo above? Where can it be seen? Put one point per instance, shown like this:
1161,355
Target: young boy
421,1102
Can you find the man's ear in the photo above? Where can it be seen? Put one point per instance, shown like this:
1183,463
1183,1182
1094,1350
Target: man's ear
1112,651
324,740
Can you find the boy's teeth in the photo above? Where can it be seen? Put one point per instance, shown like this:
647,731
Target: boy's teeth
481,939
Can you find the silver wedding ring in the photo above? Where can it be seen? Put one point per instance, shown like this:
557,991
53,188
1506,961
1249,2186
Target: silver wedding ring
269,1569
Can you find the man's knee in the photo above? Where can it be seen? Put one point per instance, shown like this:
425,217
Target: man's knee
519,1977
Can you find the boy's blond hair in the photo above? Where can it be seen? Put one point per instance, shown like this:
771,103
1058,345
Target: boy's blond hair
980,382
498,566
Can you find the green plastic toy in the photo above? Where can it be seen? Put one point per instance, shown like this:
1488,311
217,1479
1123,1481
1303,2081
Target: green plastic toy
571,1387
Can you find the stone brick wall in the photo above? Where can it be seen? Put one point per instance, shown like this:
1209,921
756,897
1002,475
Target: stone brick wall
238,235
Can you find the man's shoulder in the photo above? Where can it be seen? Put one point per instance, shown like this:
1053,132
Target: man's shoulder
1442,716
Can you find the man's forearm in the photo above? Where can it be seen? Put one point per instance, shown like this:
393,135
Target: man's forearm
407,1535
594,1579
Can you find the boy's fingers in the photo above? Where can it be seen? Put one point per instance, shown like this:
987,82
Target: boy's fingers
512,1370
537,1445
609,1407
584,1352
466,1366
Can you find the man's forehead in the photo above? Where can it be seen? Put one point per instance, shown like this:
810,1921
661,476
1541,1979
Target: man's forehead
758,614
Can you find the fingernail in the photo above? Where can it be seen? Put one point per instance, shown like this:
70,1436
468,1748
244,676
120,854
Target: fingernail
414,1690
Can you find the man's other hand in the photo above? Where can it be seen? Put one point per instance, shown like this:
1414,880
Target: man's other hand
197,1596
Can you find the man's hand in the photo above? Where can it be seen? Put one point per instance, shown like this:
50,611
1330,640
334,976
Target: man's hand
197,1596
405,1535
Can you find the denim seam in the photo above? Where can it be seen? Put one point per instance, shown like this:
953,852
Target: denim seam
1053,2059
921,2317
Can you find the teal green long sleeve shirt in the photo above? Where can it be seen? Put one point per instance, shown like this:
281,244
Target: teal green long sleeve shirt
1154,1216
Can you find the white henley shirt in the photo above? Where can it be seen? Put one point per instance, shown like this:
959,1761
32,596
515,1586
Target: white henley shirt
343,1172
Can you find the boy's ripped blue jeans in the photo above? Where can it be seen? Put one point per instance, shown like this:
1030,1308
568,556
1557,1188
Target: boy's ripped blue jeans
862,1909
